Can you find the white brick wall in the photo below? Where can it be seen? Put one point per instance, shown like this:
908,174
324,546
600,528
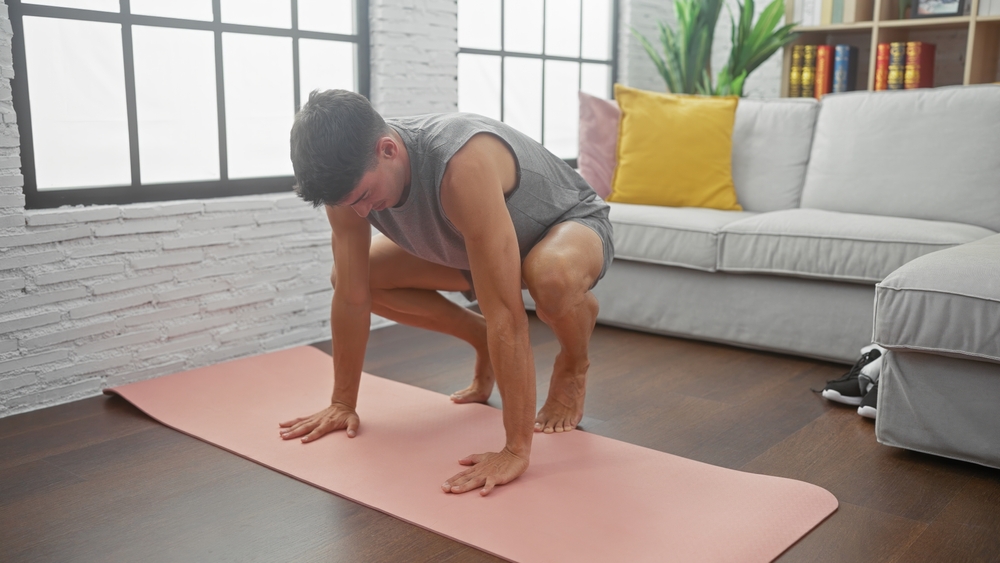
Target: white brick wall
99,296
635,69
414,56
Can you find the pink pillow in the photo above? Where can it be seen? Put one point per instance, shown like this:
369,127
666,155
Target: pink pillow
598,142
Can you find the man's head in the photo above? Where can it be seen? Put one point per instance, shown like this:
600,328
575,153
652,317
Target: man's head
338,141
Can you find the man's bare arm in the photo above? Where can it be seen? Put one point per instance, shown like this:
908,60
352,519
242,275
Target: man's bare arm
473,199
350,321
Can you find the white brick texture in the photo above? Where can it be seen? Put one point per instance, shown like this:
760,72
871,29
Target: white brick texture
414,56
99,296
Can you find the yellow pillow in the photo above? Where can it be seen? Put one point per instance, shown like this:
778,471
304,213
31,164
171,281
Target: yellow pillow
675,150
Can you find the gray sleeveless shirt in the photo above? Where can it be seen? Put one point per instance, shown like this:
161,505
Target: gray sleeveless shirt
548,191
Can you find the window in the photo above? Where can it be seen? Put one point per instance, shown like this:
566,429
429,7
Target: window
122,101
523,62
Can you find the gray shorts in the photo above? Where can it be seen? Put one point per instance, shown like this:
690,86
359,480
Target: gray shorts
597,223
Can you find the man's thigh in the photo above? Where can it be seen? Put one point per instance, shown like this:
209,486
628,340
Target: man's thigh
569,258
391,267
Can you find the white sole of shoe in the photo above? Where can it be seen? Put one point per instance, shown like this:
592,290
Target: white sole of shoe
867,412
831,395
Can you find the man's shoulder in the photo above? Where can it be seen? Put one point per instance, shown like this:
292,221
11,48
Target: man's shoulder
431,122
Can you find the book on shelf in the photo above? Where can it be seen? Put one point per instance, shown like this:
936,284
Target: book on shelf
808,71
795,72
804,12
826,12
897,65
882,66
919,71
824,71
809,13
850,11
817,70
987,7
845,68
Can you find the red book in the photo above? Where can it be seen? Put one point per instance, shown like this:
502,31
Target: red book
824,70
882,67
919,65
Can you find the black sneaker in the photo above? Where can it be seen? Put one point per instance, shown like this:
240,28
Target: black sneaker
847,389
868,406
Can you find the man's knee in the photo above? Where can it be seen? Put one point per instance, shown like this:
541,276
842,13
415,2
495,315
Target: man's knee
553,284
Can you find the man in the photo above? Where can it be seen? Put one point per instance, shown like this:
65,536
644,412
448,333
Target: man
464,203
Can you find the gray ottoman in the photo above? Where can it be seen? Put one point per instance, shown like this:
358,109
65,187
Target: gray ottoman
939,317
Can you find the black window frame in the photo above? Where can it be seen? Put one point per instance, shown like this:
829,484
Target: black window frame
137,192
503,54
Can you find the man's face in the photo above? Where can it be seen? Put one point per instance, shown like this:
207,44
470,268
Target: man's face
380,187
374,192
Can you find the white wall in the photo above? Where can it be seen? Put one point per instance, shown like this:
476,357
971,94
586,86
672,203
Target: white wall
414,56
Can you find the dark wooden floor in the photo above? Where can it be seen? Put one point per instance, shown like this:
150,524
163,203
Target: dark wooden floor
97,480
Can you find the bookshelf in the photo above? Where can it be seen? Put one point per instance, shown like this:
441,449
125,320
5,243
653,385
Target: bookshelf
968,47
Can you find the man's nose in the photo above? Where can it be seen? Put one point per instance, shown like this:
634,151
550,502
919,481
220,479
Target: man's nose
362,208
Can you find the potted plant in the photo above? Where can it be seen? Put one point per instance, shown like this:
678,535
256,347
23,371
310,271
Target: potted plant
685,63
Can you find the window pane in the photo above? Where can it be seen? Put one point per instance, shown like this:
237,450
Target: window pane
259,104
176,104
77,96
324,65
562,113
597,29
562,27
522,95
479,24
266,13
330,16
522,26
185,9
101,5
596,80
479,84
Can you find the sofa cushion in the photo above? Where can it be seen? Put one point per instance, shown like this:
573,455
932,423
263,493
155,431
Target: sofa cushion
946,302
675,150
771,142
598,142
676,236
831,245
929,153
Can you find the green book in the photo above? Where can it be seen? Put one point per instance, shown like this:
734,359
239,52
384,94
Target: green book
838,11
897,65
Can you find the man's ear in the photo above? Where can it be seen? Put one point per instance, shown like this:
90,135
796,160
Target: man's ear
387,147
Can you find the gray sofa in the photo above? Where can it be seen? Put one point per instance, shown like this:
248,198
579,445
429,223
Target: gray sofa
839,196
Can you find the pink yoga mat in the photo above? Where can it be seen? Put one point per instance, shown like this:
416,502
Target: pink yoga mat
584,498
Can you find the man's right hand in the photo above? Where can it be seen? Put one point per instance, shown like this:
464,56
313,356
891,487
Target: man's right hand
337,416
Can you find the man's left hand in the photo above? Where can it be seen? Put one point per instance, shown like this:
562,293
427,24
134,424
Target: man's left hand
488,470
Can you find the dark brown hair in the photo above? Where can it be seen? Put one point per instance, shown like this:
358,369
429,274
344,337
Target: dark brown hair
333,144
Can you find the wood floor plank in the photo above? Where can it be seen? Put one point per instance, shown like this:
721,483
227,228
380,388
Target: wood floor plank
31,479
106,422
839,452
854,533
955,543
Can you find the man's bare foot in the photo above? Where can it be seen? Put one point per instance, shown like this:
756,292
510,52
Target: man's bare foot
563,409
482,383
